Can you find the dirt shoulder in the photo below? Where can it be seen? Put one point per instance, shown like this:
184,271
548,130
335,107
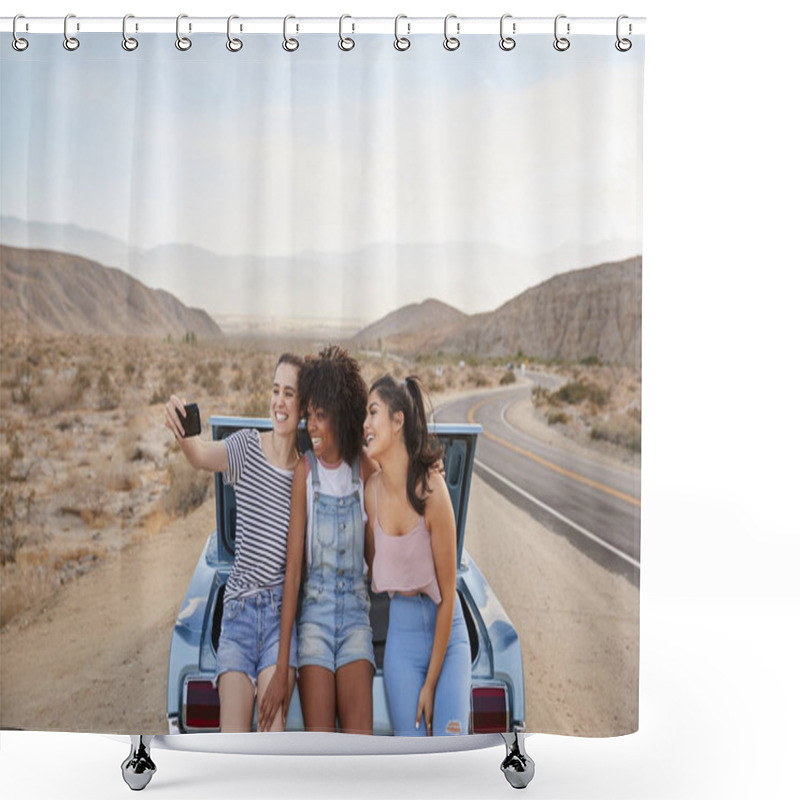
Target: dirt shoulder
96,658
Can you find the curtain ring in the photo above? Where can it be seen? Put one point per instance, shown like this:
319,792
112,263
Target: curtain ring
345,43
70,42
507,42
561,43
289,45
18,43
401,43
182,42
234,45
451,42
623,45
128,42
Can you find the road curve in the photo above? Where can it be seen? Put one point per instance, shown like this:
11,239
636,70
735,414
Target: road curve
593,504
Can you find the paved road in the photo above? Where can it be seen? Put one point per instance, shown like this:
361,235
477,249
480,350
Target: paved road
593,504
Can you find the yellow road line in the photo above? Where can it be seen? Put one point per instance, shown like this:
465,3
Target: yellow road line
549,464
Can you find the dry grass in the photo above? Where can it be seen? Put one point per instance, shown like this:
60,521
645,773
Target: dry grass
596,403
87,463
28,584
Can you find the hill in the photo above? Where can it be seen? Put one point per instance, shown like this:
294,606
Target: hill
51,292
412,321
585,313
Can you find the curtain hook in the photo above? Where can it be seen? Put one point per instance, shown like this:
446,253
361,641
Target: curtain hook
234,45
18,43
346,43
506,42
128,42
451,42
289,45
182,42
561,43
70,42
401,43
623,45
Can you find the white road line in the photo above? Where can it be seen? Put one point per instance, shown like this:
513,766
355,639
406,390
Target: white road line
559,515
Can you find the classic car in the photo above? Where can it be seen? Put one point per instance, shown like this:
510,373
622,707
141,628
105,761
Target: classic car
497,696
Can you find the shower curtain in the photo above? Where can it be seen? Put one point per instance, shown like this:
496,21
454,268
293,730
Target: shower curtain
174,218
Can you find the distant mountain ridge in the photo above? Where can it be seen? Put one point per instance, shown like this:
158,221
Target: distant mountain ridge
358,286
53,292
594,312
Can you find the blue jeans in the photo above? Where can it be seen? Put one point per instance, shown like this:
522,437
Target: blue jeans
409,642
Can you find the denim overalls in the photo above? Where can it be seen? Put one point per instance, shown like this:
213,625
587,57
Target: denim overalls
334,628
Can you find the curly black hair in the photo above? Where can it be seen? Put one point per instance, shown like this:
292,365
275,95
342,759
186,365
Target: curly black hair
332,381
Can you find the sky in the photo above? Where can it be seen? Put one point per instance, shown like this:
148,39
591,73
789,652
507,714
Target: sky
268,153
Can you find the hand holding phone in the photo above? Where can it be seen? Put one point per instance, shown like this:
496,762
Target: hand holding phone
191,422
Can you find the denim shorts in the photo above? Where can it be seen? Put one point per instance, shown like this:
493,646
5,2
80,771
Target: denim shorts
250,634
409,643
334,627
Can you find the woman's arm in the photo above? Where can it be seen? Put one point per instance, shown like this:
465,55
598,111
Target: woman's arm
277,697
441,522
210,456
369,536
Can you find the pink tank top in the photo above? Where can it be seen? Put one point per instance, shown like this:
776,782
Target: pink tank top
404,563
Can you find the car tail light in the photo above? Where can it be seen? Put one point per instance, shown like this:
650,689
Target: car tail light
489,709
201,707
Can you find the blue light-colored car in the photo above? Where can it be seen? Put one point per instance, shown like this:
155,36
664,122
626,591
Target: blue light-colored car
498,695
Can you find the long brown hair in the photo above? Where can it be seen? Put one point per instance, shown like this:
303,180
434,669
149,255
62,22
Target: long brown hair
423,450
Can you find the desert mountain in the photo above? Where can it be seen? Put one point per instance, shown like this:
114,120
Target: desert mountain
593,312
55,292
410,321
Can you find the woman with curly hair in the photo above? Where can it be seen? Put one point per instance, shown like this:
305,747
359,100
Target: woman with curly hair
335,657
412,530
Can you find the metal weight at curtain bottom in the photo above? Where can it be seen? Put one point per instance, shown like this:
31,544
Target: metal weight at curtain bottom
138,768
517,766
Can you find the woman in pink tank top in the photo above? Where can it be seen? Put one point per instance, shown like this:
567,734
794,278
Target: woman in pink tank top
411,529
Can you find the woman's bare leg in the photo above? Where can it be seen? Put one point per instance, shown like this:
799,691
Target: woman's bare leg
236,698
317,687
354,697
264,677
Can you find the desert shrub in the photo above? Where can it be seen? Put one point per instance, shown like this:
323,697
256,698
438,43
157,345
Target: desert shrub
81,382
237,382
188,488
478,379
257,405
107,392
557,417
620,430
540,396
12,535
589,361
129,370
23,587
508,377
121,478
576,392
207,374
52,398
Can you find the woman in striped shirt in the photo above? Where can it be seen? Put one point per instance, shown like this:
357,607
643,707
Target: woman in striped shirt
260,467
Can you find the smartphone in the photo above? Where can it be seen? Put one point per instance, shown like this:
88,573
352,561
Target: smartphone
191,422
